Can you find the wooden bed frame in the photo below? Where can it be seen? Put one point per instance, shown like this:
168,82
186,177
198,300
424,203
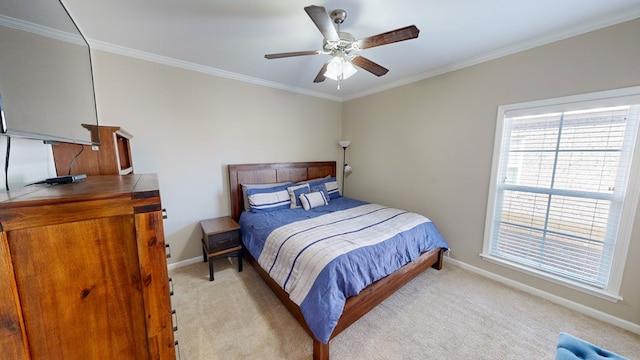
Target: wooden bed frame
355,306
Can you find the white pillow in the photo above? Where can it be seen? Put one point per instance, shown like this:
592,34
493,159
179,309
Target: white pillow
312,200
298,189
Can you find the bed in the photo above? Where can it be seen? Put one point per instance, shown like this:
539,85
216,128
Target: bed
266,243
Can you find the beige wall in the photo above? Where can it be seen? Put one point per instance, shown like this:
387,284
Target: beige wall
428,146
188,126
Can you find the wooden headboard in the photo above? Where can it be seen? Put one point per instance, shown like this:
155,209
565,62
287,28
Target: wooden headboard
272,173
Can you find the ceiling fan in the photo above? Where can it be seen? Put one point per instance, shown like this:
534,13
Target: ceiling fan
343,47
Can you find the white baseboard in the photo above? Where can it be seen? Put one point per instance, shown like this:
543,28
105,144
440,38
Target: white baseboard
624,324
182,263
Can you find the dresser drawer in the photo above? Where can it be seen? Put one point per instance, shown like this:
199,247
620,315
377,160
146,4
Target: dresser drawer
222,241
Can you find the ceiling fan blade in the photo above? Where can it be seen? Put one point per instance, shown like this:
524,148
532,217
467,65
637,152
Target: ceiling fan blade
290,54
369,65
320,77
323,21
405,33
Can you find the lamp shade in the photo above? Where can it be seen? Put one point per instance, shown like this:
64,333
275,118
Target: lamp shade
344,143
339,68
347,169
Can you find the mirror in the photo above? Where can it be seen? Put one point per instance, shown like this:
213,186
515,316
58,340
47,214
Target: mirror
46,81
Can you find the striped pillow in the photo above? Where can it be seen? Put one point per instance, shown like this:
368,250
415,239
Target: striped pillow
313,199
246,187
332,189
269,199
331,185
321,188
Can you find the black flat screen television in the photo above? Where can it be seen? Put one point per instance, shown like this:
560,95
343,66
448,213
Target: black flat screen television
46,79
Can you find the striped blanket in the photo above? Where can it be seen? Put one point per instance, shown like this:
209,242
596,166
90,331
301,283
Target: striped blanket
322,257
295,254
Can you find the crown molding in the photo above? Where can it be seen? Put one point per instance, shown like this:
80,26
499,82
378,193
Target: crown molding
165,60
37,29
513,49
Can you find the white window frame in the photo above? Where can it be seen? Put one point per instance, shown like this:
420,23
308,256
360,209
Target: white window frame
622,96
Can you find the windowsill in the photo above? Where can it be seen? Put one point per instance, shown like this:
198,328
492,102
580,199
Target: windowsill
601,293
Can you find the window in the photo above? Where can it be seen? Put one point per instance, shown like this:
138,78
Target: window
562,201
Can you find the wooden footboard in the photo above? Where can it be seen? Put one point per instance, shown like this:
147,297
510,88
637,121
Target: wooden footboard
355,306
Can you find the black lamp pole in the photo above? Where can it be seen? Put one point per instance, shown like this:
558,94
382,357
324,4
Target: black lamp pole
344,144
344,165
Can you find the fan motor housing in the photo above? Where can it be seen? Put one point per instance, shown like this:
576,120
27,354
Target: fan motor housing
345,44
338,16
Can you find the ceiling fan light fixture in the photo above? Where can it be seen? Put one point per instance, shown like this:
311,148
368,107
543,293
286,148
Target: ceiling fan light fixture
339,69
341,45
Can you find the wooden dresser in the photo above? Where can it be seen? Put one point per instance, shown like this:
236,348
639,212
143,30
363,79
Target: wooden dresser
83,271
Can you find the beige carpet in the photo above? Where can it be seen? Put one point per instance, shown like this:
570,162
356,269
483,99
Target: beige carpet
447,314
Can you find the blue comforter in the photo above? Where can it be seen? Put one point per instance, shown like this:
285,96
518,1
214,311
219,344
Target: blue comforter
299,250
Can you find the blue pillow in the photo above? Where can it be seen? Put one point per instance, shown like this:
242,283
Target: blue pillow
295,192
321,181
269,199
331,187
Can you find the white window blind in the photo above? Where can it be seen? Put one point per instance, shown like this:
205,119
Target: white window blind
559,189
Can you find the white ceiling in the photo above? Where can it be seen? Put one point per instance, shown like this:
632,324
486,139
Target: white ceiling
230,38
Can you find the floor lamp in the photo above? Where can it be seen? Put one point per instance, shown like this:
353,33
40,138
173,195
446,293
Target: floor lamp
346,168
